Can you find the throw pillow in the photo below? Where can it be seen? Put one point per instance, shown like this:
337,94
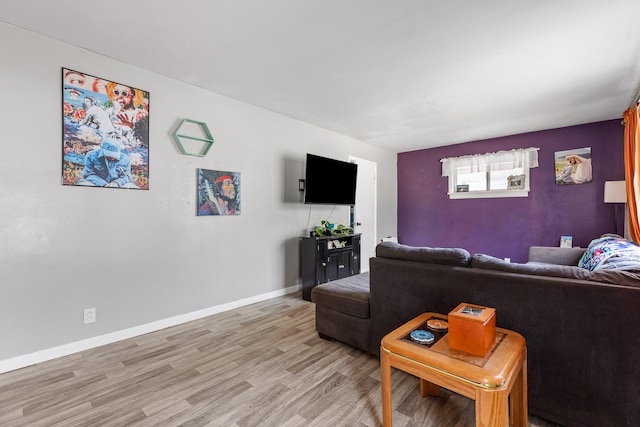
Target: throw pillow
611,253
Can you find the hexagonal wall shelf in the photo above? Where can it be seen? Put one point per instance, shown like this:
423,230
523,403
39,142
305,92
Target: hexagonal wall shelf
207,139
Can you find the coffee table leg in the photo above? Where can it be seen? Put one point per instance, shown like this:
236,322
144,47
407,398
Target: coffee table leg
492,408
518,401
385,377
428,388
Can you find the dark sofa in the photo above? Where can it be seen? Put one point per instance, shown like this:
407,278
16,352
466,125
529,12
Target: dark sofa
581,327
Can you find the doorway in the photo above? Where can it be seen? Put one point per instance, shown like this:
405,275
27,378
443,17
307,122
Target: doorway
365,212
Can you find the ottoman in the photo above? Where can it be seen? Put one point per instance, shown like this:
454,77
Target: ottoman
342,310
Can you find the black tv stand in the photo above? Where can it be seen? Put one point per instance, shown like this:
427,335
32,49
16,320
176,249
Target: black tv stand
327,258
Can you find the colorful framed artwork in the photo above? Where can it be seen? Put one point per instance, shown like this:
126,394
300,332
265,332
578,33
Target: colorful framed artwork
105,135
573,166
218,192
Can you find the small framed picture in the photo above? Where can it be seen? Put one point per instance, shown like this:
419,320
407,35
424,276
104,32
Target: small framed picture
515,182
566,241
474,311
462,188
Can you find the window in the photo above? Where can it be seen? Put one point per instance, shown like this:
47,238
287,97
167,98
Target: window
499,174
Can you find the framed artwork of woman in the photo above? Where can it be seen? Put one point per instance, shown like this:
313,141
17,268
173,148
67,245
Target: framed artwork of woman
573,166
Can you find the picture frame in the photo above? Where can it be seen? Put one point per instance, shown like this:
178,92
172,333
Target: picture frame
218,192
516,182
105,136
573,166
462,188
566,241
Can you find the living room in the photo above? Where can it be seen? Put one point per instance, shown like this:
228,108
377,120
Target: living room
145,261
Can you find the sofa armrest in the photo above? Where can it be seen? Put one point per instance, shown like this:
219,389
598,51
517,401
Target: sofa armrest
555,255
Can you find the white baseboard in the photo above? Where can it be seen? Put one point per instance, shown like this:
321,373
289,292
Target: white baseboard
74,347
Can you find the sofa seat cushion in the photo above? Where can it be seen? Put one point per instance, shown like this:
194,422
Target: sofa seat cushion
456,257
349,295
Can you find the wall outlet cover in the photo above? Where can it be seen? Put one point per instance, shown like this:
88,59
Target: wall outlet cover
89,315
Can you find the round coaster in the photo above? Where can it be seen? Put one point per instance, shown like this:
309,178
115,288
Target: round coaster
422,337
438,325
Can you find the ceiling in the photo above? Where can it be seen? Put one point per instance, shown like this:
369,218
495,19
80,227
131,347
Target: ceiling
402,75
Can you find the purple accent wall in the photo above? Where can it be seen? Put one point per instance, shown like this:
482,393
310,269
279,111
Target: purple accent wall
506,227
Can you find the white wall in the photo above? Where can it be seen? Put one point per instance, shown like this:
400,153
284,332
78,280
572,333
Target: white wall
143,256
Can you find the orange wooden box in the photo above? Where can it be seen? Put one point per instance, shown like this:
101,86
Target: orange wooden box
472,328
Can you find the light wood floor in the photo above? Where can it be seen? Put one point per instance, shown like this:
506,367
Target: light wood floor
260,365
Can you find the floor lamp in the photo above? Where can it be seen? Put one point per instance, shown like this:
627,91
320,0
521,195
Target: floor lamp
615,192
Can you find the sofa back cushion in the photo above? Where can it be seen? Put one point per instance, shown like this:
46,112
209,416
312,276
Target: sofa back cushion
445,256
555,255
487,262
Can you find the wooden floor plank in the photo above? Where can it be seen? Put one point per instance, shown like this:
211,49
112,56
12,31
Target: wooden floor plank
259,365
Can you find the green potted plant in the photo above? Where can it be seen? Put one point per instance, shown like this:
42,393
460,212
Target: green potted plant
342,229
328,229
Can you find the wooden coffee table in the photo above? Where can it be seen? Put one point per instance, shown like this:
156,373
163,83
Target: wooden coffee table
497,382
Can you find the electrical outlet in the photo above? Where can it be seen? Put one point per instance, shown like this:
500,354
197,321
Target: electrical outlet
89,315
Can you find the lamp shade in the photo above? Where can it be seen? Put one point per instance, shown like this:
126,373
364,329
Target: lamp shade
615,192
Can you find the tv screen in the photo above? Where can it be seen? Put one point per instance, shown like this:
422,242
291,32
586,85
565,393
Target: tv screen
329,181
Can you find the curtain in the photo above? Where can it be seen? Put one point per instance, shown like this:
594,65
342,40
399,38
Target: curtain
526,158
632,169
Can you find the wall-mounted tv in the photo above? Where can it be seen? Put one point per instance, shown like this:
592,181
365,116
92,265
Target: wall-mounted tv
330,181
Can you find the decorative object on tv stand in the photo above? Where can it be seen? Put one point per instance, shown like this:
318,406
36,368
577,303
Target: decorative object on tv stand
329,229
183,132
615,192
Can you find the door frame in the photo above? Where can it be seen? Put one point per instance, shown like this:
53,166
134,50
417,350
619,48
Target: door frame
372,228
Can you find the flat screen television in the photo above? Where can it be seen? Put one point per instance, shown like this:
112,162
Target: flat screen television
330,181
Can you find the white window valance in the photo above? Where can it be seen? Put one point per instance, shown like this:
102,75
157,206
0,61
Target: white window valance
525,158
